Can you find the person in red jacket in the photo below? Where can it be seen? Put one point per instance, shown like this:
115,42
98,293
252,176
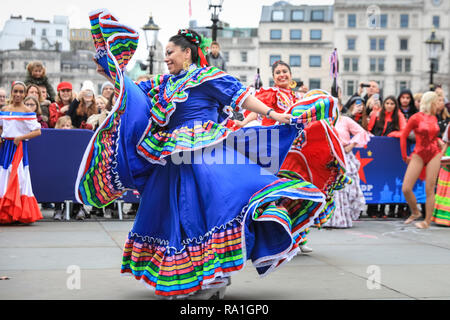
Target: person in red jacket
389,121
425,158
62,102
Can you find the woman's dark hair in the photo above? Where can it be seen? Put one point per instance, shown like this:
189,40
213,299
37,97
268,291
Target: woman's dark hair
412,106
279,62
188,39
382,115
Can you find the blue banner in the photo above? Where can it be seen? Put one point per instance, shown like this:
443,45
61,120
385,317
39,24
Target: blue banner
55,156
382,171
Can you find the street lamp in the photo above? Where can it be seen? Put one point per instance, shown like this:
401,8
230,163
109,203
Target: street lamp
433,47
216,5
151,37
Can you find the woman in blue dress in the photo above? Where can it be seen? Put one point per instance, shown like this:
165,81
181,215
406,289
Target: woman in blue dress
210,197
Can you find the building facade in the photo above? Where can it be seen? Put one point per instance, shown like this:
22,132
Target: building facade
30,33
301,36
74,67
239,48
385,41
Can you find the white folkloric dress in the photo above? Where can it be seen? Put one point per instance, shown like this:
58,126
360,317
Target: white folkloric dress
350,200
17,201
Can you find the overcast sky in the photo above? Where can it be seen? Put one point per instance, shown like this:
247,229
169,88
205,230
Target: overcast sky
169,15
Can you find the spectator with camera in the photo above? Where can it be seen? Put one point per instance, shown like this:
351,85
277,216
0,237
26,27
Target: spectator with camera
83,106
357,111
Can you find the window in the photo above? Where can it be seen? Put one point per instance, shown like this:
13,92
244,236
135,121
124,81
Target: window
297,15
402,85
351,44
377,44
274,58
403,44
315,61
275,34
226,56
314,84
398,65
66,67
350,87
243,56
373,44
436,21
407,64
317,15
381,42
381,64
346,64
351,20
383,20
376,64
404,20
351,64
277,15
44,32
403,65
296,34
354,64
295,61
12,65
59,32
315,35
33,31
243,78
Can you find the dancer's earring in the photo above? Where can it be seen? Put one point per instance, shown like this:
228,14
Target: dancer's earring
293,84
186,65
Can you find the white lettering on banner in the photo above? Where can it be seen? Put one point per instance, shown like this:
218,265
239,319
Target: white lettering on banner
366,187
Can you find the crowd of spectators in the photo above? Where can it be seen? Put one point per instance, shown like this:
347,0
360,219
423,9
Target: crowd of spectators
388,117
65,108
68,109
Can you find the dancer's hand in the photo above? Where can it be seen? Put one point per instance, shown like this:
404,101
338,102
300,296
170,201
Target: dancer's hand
349,147
17,141
101,71
238,123
281,117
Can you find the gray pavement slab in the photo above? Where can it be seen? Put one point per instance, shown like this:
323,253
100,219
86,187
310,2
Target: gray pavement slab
376,259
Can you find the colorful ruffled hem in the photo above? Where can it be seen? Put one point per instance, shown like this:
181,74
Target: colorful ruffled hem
441,213
202,262
14,206
21,209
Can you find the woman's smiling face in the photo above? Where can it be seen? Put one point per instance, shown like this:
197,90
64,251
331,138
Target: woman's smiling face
282,76
175,57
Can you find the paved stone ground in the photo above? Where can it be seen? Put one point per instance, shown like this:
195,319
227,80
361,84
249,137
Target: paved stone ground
376,259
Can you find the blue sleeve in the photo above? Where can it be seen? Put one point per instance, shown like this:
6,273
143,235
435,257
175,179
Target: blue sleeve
153,83
228,91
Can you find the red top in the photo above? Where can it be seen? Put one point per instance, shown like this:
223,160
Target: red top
279,99
426,130
387,118
55,113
